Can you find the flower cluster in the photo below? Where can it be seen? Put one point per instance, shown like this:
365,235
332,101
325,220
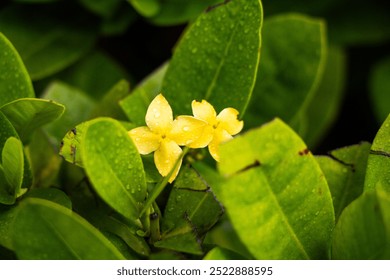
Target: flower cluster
164,135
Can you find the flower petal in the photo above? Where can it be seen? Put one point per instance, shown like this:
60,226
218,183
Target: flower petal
228,121
204,111
145,140
220,136
159,116
190,131
165,158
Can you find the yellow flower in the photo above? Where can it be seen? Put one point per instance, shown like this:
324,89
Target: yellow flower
160,136
211,129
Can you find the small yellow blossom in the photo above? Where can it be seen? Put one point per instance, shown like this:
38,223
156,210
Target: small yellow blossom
212,129
163,135
160,136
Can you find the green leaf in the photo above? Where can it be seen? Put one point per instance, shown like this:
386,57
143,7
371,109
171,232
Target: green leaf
102,8
14,80
146,8
7,195
48,39
380,89
171,12
378,171
292,61
190,212
136,104
6,130
44,159
78,105
275,194
127,234
301,6
219,253
7,216
114,167
28,114
13,164
223,235
108,106
70,148
51,194
323,108
363,230
45,230
118,23
217,58
94,74
345,170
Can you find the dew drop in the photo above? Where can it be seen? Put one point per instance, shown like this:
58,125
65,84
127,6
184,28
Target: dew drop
194,50
186,128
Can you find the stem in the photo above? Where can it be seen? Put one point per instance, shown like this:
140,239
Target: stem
163,183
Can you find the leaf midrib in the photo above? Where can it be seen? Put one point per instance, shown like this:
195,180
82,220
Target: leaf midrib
218,70
286,221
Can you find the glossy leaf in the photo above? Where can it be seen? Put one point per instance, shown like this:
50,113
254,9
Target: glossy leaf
345,170
363,230
28,114
172,13
378,171
190,212
380,89
217,58
114,167
292,61
323,108
136,104
13,164
7,131
47,48
14,80
219,253
78,105
46,230
147,8
276,195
